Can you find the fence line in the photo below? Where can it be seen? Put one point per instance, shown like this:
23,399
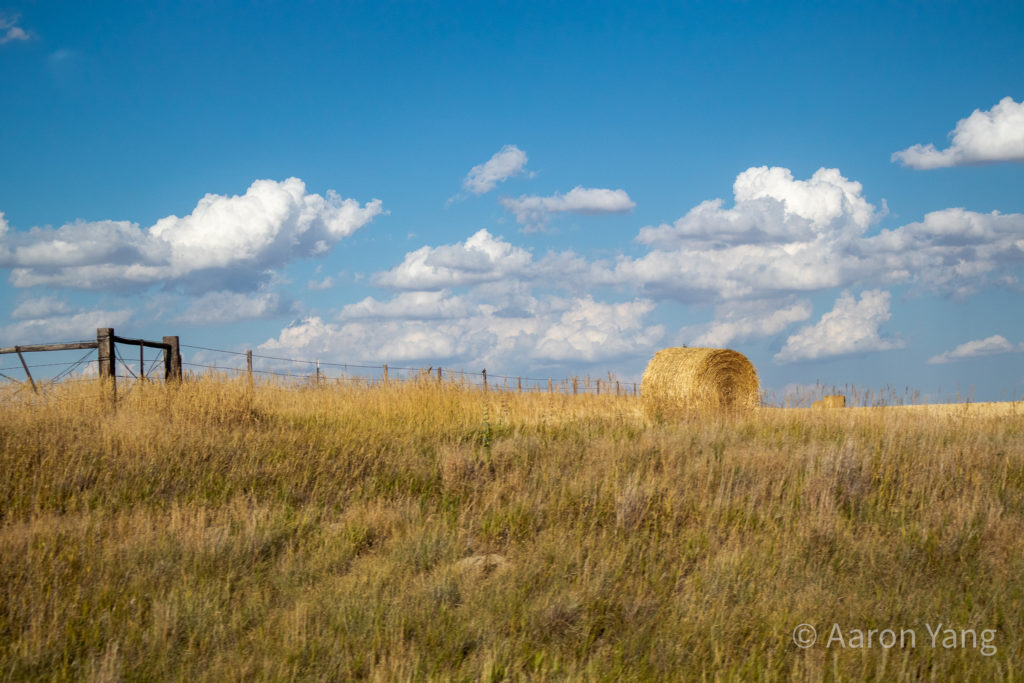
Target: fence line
113,365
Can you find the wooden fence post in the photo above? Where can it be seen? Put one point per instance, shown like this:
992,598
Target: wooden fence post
248,365
550,390
575,385
438,373
105,354
485,378
105,341
598,387
385,373
172,358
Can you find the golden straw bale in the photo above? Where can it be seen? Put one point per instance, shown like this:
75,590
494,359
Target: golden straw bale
681,379
831,401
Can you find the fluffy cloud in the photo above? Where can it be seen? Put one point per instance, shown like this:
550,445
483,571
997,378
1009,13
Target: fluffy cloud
228,307
782,238
320,285
50,328
226,241
984,136
850,327
432,327
429,305
9,31
42,307
953,251
992,346
533,211
772,207
481,258
506,162
591,331
785,237
747,322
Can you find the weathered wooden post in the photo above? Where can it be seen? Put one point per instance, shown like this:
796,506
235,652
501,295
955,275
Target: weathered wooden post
598,387
485,378
172,359
105,354
575,385
519,384
105,349
385,373
438,373
248,365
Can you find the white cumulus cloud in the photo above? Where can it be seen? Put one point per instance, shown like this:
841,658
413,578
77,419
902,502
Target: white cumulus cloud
506,162
983,137
532,210
850,327
748,322
772,207
432,328
320,285
10,31
228,307
426,305
481,258
42,307
991,346
226,241
52,328
784,237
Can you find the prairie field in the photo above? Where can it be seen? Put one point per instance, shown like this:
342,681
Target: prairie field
423,530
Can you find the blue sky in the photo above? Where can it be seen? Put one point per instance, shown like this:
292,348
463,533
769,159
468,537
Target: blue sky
538,189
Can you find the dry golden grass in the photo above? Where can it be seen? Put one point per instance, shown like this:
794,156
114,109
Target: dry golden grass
428,531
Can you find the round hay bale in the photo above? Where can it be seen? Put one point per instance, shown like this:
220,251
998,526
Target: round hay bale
681,379
831,401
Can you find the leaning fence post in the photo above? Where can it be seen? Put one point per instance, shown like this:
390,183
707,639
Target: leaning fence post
28,374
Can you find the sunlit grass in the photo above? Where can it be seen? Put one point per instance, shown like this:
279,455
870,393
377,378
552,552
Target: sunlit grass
215,531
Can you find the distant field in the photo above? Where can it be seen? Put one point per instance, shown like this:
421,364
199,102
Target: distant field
429,531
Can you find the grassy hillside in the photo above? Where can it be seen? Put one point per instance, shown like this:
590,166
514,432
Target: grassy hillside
426,531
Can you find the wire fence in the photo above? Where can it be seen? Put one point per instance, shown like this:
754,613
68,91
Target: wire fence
129,368
314,371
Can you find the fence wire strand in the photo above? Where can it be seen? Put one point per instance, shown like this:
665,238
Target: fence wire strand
496,382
